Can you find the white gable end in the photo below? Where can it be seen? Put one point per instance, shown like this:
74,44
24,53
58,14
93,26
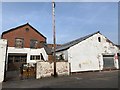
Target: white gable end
86,54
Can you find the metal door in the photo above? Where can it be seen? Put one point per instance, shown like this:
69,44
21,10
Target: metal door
108,61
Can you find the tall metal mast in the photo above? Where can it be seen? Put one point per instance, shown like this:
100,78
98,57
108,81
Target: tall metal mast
54,37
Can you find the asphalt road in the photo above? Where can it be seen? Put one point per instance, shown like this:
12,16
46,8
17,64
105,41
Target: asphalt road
104,79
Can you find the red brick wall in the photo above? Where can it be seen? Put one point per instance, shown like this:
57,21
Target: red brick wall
51,45
50,58
22,33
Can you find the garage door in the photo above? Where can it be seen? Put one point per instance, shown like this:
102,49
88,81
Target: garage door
108,61
15,61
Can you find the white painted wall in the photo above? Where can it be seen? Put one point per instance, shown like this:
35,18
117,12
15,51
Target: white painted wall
3,47
65,54
29,52
88,54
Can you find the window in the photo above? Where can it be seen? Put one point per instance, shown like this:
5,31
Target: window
19,42
99,39
33,44
31,57
17,59
23,59
37,57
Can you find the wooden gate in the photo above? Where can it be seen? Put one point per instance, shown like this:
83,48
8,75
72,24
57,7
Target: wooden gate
28,70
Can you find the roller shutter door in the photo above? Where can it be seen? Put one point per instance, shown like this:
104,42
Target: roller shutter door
108,61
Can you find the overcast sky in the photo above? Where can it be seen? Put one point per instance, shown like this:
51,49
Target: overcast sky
73,19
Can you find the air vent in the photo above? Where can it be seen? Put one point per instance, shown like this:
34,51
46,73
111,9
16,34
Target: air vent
27,29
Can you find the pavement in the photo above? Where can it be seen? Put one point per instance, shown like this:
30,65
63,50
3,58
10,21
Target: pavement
103,79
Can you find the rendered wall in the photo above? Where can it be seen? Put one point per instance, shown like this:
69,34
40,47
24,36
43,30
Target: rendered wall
3,47
88,54
29,52
46,69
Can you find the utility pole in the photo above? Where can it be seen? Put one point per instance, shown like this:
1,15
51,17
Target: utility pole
54,37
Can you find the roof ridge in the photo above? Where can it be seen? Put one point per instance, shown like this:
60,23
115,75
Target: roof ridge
15,27
73,42
82,37
23,26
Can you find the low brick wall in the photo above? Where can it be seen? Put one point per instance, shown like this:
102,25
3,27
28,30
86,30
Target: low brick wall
46,69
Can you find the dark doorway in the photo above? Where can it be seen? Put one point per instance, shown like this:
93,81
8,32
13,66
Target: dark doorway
15,61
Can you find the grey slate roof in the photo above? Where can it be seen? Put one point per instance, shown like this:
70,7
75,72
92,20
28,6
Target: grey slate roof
23,26
69,44
47,49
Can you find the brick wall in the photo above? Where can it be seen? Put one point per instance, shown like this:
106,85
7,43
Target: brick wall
23,33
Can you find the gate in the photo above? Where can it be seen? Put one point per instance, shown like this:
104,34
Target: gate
28,70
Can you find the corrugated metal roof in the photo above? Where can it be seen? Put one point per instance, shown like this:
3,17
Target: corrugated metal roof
71,43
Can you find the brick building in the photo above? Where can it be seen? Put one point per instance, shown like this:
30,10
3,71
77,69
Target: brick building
25,45
24,36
